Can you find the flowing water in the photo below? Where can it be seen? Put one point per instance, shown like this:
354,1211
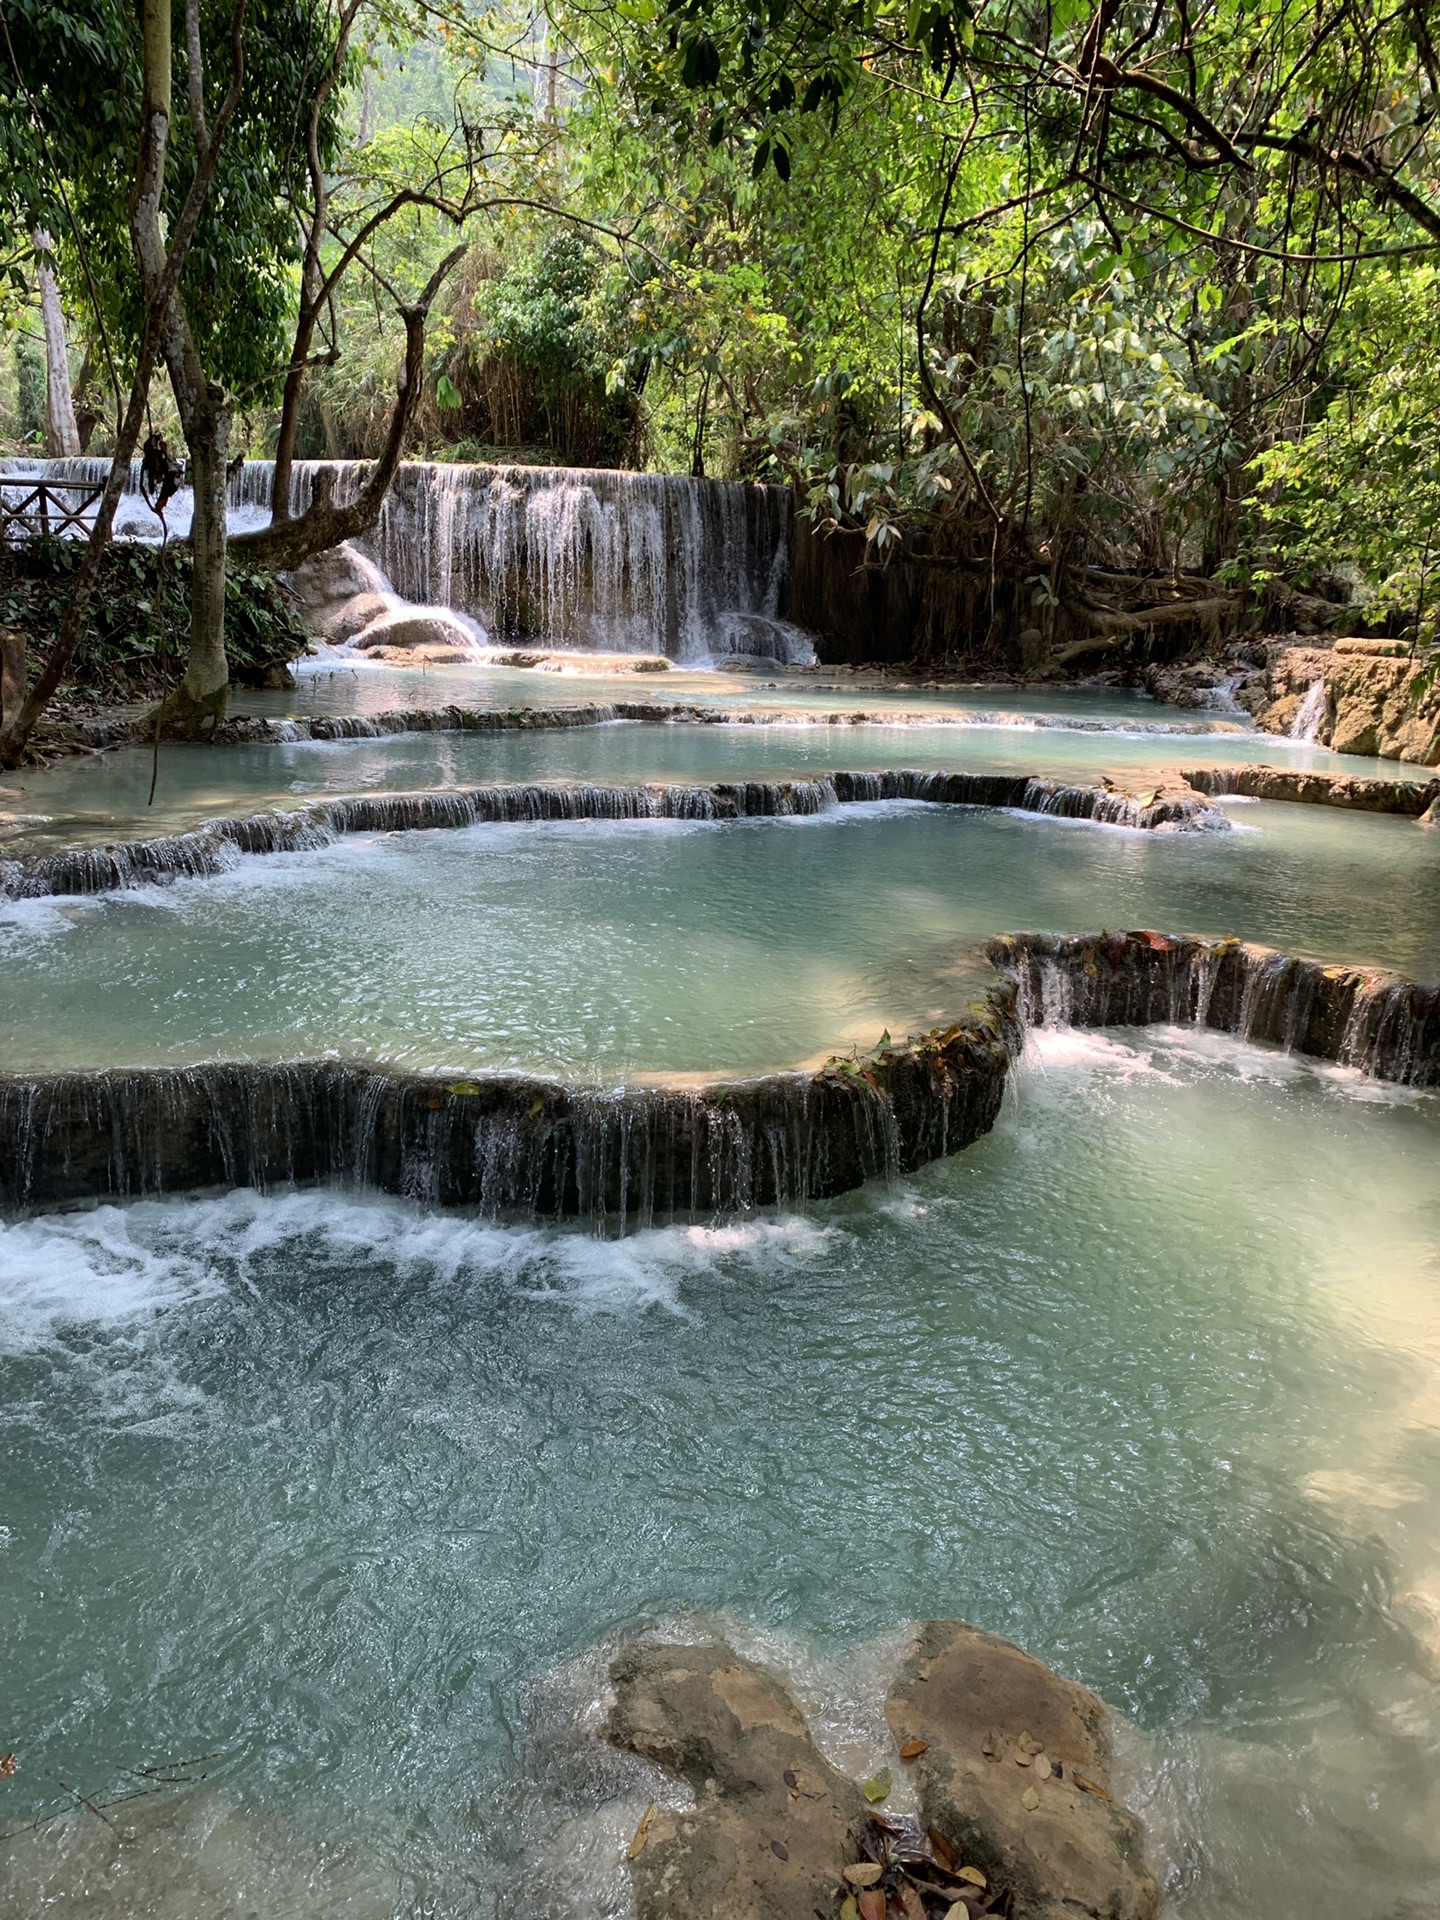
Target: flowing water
339,1494
608,949
64,802
342,1502
557,557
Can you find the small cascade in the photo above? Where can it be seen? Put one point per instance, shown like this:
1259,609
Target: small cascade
91,868
1310,714
1373,1020
506,1144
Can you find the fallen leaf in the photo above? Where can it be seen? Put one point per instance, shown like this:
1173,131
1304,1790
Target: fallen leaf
872,1904
1043,1769
790,1780
1027,1743
435,1105
8,1764
877,1787
943,1851
990,1746
536,1107
1023,1759
974,1876
913,1749
642,1832
1092,1786
864,1873
462,1087
779,1849
848,1909
1030,1800
911,1905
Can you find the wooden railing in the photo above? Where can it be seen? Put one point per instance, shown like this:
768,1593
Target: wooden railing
39,509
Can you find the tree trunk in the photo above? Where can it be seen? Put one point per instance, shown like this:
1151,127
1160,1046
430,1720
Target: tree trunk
62,436
197,705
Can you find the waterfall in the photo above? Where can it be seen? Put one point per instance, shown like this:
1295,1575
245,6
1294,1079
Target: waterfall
560,557
507,1143
1371,1019
1310,714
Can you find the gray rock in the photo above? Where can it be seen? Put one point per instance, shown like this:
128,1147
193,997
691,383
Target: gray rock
326,582
774,1822
414,627
1073,1852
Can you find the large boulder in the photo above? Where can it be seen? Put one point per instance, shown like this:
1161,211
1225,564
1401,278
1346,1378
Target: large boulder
406,629
1016,1774
328,583
773,1822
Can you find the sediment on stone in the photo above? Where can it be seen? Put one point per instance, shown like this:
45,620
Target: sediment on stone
1369,1018
1410,798
209,850
1018,1817
507,1143
1014,1772
773,1823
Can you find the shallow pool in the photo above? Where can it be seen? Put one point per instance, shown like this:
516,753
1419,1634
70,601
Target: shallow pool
604,951
338,1494
110,798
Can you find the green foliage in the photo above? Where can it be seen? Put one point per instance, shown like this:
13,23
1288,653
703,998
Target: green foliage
29,387
76,68
137,633
1360,487
541,312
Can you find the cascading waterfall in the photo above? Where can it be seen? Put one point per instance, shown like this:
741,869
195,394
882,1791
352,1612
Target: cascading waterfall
1310,714
558,557
1367,1018
211,849
507,1143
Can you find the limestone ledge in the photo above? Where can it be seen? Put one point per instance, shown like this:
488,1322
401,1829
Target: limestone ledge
102,867
1410,798
509,1144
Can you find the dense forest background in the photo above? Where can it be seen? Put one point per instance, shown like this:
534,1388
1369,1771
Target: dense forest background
1037,296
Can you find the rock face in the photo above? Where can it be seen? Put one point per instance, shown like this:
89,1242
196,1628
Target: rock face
773,1822
329,582
1000,1731
345,598
1370,706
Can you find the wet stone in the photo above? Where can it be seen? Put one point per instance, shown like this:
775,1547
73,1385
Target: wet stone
1057,1840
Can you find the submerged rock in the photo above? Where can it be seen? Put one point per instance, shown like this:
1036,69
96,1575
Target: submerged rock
774,1822
1016,1775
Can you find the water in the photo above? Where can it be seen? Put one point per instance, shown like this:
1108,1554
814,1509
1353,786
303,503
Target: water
351,1498
74,800
339,1494
611,950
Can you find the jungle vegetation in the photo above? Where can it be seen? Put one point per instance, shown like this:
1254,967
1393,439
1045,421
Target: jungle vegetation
1069,295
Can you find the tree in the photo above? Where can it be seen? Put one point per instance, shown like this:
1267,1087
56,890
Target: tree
36,180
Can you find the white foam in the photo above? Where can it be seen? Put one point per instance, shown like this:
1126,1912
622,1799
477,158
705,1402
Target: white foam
98,1270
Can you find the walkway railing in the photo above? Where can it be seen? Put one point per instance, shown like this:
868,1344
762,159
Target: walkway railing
40,509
